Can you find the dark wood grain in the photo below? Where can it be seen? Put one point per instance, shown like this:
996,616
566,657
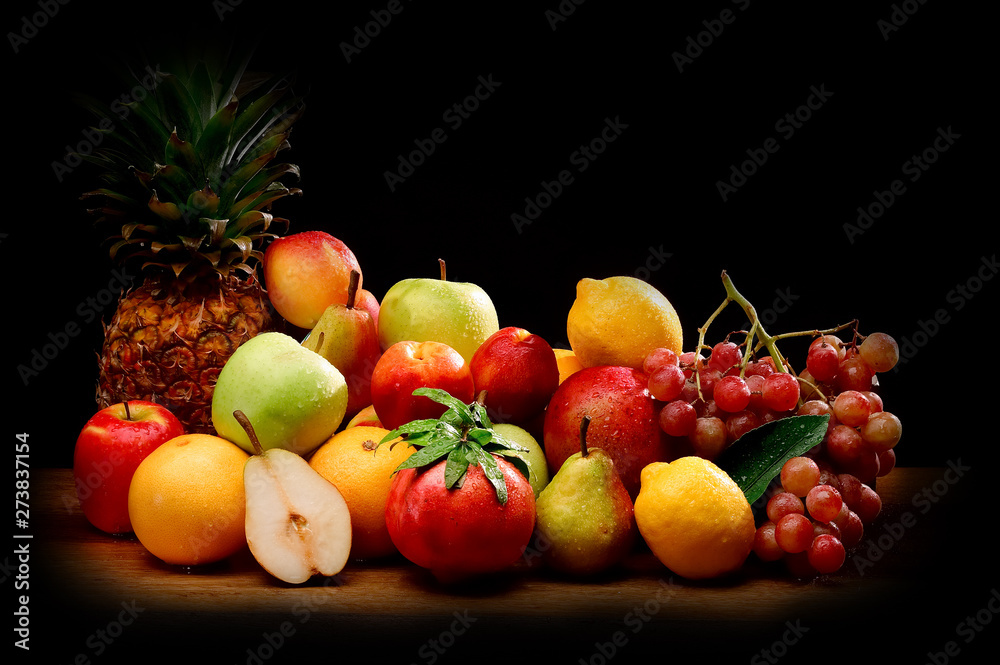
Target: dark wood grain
398,604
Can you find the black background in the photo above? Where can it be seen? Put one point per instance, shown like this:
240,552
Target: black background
653,190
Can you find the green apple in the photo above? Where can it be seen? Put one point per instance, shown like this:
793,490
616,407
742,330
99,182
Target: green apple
459,314
538,477
295,398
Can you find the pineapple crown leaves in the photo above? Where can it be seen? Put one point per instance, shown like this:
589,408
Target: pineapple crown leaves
463,435
187,168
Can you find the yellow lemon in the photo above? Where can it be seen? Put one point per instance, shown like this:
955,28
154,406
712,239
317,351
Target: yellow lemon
694,518
619,320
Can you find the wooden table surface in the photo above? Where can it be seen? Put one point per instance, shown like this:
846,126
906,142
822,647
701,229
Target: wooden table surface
395,605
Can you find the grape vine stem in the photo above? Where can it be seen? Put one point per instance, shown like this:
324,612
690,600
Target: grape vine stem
764,340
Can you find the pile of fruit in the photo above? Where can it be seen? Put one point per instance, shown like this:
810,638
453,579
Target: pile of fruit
341,427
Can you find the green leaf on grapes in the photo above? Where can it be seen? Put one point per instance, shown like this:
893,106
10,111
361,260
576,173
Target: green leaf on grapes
754,459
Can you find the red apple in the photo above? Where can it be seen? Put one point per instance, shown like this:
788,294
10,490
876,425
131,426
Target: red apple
406,366
518,371
307,272
107,452
624,421
366,417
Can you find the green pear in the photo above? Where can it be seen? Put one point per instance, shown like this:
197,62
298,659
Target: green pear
346,336
585,522
295,398
459,314
297,522
538,467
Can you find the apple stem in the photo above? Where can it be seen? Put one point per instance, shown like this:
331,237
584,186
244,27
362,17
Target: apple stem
352,288
584,424
444,272
244,422
128,414
481,397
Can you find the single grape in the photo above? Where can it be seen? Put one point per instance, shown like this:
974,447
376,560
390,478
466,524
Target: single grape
875,400
852,529
850,490
689,392
886,462
738,424
870,505
824,503
677,418
818,407
764,545
755,384
781,391
688,360
666,382
658,358
709,437
823,361
799,475
854,374
880,351
866,466
793,533
819,528
828,476
852,408
783,503
706,408
708,378
844,445
826,554
731,394
725,355
763,367
882,431
830,340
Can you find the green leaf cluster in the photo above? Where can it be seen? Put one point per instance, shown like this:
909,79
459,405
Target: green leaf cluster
464,436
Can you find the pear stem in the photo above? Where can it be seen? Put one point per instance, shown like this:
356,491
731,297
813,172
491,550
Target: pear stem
128,414
244,422
444,272
352,289
584,424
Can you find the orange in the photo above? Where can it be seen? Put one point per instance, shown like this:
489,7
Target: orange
362,471
694,518
186,501
619,320
567,362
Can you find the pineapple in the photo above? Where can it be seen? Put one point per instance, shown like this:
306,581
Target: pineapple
188,185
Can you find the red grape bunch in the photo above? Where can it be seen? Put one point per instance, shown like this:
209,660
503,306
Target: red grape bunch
826,496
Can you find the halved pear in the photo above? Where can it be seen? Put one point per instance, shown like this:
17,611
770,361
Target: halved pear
297,522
